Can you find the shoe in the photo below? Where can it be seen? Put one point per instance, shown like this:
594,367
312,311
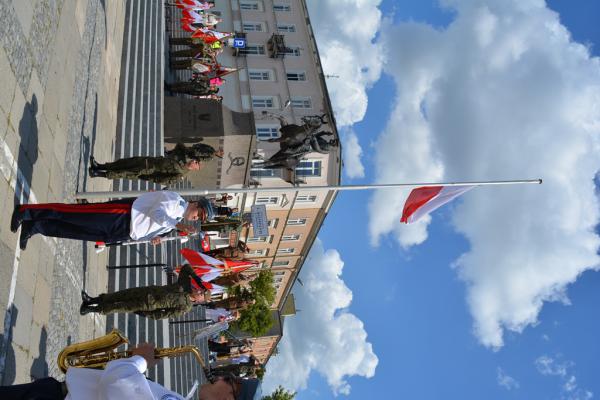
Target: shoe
96,173
16,219
86,297
84,309
24,238
93,163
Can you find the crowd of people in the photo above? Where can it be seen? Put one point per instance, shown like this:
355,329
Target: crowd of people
198,52
218,279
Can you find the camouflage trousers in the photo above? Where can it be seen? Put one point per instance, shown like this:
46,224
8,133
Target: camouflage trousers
134,167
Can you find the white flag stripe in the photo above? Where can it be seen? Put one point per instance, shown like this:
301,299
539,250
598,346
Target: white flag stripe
448,193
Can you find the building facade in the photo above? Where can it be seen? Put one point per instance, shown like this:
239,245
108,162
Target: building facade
280,78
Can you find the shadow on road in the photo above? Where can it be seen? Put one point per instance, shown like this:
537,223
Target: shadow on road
28,150
7,353
39,367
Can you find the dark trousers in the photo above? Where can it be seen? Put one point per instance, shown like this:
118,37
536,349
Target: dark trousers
41,389
108,222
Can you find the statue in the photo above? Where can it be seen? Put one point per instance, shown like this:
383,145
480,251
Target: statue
298,140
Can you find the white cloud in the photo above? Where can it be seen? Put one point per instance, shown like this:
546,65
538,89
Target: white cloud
506,381
353,166
501,93
345,30
323,336
553,366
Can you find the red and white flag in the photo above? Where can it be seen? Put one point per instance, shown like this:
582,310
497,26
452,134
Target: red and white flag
421,201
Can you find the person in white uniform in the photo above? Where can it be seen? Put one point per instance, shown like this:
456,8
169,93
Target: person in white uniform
124,379
146,217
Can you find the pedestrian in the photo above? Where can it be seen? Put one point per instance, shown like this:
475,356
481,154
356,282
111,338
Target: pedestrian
124,379
199,151
161,170
146,217
200,87
221,314
156,302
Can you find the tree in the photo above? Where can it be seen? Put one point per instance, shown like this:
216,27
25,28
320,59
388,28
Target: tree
280,394
255,319
262,286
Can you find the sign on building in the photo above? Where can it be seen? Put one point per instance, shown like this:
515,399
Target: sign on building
260,223
239,43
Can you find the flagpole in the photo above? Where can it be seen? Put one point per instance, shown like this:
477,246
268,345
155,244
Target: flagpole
286,189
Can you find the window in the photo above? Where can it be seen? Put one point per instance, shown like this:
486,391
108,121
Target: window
297,221
264,102
251,5
259,74
217,13
264,173
254,27
290,238
267,200
273,222
259,239
286,28
286,250
253,50
282,7
309,168
278,280
301,102
258,252
267,132
305,198
296,76
279,273
292,51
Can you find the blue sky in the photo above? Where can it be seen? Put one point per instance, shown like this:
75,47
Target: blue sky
412,295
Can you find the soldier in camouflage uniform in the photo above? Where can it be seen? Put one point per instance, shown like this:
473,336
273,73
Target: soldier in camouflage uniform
156,302
198,151
164,170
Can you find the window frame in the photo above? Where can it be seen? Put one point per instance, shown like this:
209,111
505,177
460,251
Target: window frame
258,3
303,103
314,170
256,24
306,198
286,28
299,74
302,223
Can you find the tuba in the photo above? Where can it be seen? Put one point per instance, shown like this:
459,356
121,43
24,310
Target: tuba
96,353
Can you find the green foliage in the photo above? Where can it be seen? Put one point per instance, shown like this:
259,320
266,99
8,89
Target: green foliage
262,287
260,373
255,319
280,394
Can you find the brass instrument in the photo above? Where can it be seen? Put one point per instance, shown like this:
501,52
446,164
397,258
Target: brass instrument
96,353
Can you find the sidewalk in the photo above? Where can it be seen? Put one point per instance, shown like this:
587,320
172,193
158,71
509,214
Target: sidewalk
59,80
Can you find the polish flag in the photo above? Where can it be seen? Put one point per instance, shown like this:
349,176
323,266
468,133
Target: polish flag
424,200
199,259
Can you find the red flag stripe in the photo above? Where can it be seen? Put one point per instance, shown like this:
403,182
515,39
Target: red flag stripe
417,198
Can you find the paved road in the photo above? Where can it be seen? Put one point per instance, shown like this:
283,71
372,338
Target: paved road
140,132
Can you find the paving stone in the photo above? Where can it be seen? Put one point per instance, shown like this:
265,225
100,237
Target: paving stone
7,83
22,323
24,12
41,305
28,267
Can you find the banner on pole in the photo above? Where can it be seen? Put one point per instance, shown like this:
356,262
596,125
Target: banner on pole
260,223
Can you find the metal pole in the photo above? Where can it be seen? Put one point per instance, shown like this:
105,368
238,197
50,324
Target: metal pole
189,321
287,189
134,266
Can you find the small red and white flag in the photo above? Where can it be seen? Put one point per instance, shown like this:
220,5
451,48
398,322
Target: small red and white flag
421,201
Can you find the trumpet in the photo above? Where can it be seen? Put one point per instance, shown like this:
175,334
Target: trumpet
96,353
